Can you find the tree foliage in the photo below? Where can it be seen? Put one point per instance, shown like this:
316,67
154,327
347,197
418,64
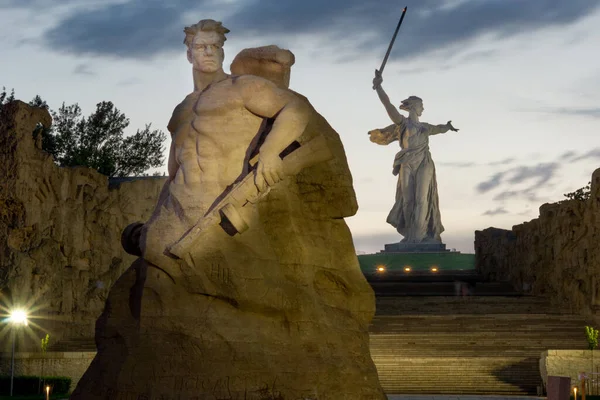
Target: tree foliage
5,97
97,141
581,194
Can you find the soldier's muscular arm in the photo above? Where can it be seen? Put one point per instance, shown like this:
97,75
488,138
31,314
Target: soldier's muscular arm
265,99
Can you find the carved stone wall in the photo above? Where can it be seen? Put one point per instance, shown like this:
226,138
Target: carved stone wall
60,228
556,255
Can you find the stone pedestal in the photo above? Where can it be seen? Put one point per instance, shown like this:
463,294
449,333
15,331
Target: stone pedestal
415,248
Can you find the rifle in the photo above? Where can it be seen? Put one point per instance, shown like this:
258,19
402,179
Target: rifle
295,158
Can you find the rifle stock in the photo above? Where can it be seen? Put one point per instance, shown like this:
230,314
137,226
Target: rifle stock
311,153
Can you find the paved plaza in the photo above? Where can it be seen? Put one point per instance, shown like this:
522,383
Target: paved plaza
458,397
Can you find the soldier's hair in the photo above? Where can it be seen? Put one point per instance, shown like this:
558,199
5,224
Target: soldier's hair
411,102
205,25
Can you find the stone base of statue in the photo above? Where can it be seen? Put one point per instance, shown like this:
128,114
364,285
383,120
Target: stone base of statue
415,248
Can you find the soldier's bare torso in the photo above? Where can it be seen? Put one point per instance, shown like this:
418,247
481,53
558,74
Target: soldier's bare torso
212,131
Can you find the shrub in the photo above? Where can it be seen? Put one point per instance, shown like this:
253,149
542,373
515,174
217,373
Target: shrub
592,337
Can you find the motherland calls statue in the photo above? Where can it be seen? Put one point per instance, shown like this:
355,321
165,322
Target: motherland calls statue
416,211
247,285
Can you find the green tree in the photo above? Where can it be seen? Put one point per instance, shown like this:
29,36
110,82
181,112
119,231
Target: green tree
5,97
581,194
591,335
97,141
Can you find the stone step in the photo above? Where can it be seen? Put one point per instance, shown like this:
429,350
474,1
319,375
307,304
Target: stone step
484,331
408,349
450,345
386,288
473,305
565,325
465,375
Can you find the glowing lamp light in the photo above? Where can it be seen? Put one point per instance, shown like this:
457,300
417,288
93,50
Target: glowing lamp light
381,268
434,269
47,392
406,269
18,317
575,393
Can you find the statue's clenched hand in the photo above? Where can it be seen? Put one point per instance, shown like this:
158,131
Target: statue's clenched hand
451,127
269,171
378,80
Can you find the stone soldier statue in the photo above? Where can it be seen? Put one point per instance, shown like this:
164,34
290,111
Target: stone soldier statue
247,284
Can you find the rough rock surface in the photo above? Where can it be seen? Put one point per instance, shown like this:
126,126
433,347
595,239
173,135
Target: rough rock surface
556,255
270,62
60,229
569,363
280,311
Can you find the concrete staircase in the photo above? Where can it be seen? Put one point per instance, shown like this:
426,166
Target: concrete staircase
426,340
476,345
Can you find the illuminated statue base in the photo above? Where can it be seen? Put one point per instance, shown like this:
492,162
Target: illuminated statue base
415,248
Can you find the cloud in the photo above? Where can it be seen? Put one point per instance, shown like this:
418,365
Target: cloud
129,82
457,164
477,55
429,24
469,164
527,194
33,4
83,69
491,183
497,211
543,172
567,156
502,162
135,29
536,177
589,112
145,28
593,112
593,154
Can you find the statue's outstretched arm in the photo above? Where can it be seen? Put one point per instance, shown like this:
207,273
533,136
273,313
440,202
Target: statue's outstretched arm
437,129
394,114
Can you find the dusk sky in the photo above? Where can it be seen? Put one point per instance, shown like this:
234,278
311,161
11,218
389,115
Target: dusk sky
519,78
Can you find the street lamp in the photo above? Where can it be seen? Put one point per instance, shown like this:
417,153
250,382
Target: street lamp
17,318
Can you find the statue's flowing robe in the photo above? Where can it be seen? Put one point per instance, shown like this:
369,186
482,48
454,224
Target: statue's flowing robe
400,216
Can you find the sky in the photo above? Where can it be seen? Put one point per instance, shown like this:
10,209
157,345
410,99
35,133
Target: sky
519,78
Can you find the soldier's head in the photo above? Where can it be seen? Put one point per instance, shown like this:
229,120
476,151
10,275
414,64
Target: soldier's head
413,104
204,42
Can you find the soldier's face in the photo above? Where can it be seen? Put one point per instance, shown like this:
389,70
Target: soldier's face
206,52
